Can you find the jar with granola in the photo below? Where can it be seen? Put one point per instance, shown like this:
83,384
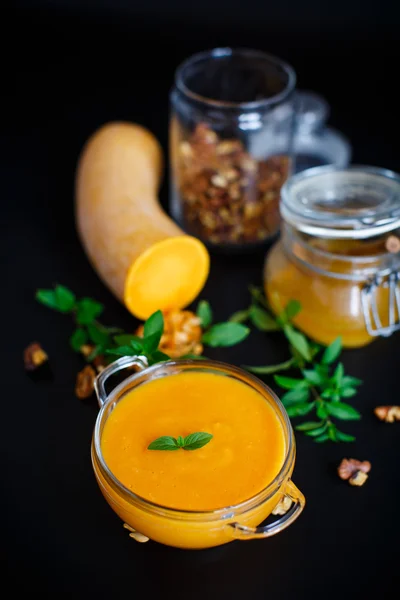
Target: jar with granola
231,132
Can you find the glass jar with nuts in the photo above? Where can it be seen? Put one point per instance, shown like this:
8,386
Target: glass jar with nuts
231,134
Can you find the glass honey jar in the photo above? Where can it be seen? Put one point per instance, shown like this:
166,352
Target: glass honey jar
339,253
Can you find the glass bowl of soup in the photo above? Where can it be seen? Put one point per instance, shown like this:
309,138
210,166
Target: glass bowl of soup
197,497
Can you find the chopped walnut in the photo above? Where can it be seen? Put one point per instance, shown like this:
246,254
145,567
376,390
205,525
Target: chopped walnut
358,479
182,334
227,195
389,414
392,244
354,471
84,386
283,506
34,356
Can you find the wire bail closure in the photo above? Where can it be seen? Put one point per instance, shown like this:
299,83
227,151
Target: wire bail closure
370,309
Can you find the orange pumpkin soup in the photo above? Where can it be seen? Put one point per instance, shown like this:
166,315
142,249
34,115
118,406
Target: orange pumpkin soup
245,454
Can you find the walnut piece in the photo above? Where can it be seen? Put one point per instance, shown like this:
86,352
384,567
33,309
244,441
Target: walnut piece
358,479
389,414
34,356
283,506
354,471
84,386
182,334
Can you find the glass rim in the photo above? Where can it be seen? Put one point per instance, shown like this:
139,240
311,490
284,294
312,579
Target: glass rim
323,225
228,51
363,271
214,514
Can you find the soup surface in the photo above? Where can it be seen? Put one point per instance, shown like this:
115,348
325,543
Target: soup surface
245,454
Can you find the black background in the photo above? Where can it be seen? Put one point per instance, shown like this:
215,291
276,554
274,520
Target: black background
68,67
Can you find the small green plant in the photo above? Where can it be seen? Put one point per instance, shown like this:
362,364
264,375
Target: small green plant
112,341
321,385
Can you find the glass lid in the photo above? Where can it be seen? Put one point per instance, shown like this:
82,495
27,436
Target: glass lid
333,202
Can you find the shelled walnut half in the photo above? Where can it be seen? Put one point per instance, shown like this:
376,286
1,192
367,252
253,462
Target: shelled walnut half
34,356
389,414
354,471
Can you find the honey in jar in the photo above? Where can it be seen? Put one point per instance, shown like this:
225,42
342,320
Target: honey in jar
334,255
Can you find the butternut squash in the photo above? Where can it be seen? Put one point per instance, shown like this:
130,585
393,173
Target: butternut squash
143,257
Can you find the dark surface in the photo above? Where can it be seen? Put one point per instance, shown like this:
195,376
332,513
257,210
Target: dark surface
74,73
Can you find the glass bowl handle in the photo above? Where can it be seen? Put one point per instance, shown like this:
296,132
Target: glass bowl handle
242,532
122,363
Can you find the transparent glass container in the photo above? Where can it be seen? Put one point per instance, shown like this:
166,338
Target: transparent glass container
339,253
231,129
315,144
192,529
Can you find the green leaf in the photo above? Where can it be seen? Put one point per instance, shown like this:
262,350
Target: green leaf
344,437
308,426
324,437
332,352
204,313
292,308
121,351
332,432
165,442
338,375
295,396
317,432
262,320
290,383
193,357
347,392
126,338
156,357
180,441
269,369
322,370
298,341
88,310
343,411
225,334
348,381
137,345
327,393
193,441
150,342
240,316
322,413
78,339
65,299
153,330
299,410
313,377
98,335
154,324
48,298
61,298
